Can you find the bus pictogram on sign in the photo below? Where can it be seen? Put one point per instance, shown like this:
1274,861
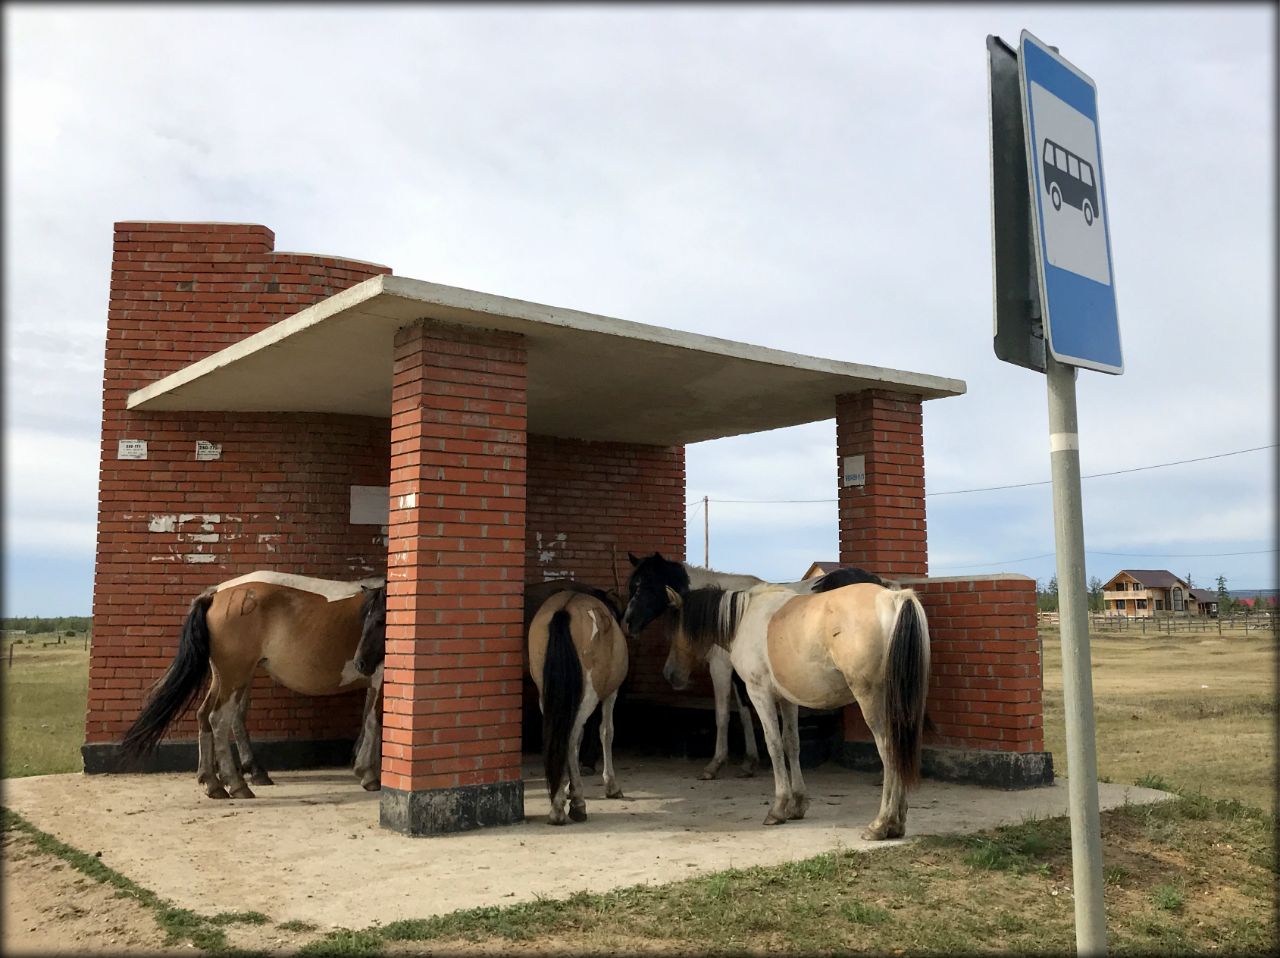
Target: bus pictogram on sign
1069,179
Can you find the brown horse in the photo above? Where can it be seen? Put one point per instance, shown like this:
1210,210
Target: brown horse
861,643
305,632
578,659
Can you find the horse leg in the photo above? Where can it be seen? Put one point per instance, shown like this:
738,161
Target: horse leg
207,772
767,708
577,800
752,761
611,789
891,820
224,715
248,761
799,803
722,682
368,763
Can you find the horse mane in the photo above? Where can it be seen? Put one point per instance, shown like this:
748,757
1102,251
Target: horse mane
667,571
709,616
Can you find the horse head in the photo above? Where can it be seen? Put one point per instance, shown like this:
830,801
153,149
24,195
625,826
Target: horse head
647,590
705,617
373,631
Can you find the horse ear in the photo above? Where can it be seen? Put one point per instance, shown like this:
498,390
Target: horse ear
634,560
674,598
658,556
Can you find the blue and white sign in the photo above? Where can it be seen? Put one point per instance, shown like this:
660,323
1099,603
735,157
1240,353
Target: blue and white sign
1069,209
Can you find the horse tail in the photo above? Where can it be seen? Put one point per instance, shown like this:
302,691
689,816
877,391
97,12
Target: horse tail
906,686
561,696
177,689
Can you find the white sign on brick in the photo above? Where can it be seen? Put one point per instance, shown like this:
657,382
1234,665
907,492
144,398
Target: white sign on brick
132,449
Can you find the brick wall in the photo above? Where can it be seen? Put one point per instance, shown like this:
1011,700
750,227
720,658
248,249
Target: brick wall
278,498
882,523
455,577
590,503
985,670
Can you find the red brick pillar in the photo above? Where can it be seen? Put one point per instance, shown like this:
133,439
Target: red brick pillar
455,581
882,522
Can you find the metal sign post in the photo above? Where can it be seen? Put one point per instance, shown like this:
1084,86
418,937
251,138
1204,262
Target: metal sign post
1055,310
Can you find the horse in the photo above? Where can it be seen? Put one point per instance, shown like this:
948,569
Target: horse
578,659
647,599
535,594
860,642
304,631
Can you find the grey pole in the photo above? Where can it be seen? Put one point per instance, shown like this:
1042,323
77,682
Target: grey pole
1077,679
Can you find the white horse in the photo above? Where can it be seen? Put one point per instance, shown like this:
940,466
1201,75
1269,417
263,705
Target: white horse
647,599
862,643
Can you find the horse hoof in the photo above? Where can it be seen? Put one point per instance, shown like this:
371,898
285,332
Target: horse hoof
880,833
554,819
797,808
707,776
261,778
371,786
616,793
747,771
218,792
774,820
243,792
578,812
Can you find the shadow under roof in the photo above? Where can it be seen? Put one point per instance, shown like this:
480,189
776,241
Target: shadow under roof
590,377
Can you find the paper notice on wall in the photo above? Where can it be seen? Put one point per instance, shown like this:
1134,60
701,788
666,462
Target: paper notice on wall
855,470
208,451
132,449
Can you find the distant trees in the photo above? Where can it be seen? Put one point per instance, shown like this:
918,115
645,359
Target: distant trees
1047,598
1226,604
1095,594
34,624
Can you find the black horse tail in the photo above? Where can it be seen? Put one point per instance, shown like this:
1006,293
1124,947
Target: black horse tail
561,696
906,686
177,690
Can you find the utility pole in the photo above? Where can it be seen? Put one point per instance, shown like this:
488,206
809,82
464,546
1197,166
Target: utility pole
706,534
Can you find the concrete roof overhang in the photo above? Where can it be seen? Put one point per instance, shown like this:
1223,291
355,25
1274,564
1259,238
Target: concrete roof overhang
590,377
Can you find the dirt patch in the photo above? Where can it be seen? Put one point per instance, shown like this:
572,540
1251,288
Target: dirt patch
51,908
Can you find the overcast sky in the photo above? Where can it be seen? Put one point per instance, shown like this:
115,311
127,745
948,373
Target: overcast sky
811,179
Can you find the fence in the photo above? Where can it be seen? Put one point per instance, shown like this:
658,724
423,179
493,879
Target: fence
1170,624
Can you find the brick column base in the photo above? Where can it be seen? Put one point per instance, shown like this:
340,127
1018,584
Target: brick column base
461,808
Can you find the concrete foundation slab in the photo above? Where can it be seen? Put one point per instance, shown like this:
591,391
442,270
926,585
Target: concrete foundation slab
311,848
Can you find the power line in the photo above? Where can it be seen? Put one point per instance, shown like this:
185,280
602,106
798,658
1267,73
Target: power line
1128,555
1016,485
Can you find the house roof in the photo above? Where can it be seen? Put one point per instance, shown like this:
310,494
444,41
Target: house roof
1152,578
1204,595
821,568
590,376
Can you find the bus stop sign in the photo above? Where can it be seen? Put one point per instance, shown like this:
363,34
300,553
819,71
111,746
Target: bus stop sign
1071,230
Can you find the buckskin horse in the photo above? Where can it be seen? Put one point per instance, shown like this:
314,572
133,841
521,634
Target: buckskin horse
305,632
578,659
859,643
647,599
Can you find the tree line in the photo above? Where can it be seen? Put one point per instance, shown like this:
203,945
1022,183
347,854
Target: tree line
34,624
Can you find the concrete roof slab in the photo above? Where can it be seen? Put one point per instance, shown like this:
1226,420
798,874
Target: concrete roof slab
590,376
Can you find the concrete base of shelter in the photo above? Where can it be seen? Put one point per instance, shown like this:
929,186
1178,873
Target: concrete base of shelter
273,754
988,767
310,848
439,811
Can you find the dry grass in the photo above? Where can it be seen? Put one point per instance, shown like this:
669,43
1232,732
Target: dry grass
45,690
1197,711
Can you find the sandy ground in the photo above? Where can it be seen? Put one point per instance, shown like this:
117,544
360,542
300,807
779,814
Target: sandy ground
310,848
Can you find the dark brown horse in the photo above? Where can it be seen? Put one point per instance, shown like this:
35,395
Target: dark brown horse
305,632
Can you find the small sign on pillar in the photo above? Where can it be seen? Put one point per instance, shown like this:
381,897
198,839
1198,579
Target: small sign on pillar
854,471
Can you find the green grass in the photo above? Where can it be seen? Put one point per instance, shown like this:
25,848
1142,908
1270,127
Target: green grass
44,707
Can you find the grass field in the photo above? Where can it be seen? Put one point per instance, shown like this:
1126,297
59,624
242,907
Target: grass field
1196,711
44,701
1193,713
